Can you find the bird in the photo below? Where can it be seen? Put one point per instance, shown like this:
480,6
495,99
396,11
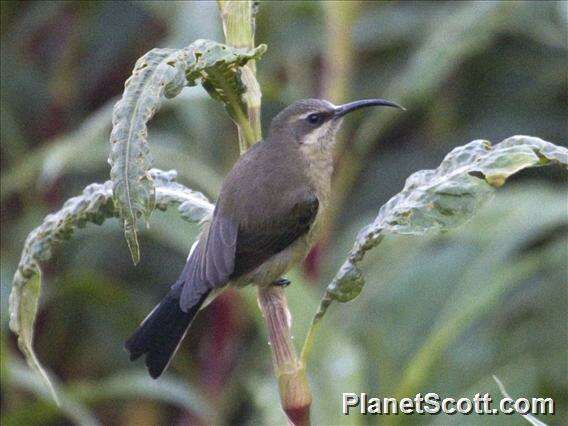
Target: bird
268,215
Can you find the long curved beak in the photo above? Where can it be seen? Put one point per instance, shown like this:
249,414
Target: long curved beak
341,110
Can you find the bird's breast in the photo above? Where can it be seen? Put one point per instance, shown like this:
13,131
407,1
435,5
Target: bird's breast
319,173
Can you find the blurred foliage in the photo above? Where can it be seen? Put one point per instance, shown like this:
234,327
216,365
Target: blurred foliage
440,313
443,198
94,205
164,73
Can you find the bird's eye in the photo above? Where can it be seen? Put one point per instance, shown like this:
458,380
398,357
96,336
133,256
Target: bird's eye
314,118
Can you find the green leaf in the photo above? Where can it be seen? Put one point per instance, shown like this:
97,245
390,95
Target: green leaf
129,156
350,284
457,293
193,205
23,310
164,72
438,199
218,70
133,385
94,205
75,411
446,197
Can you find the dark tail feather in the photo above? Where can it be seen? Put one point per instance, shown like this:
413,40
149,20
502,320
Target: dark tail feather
161,333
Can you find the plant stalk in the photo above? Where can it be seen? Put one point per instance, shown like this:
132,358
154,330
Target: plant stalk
339,58
355,257
238,25
295,397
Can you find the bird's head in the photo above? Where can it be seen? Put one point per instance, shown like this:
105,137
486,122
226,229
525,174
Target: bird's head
313,123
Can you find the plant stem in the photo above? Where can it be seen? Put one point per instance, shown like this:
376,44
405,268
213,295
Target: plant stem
238,25
339,53
340,17
326,300
295,397
355,257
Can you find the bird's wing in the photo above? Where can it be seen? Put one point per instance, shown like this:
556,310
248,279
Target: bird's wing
211,263
230,249
257,242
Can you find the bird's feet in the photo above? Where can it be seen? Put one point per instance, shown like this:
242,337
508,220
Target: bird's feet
282,282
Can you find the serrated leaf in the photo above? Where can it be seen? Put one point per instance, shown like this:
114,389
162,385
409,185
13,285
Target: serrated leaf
218,68
193,205
130,154
213,56
449,195
94,205
164,72
349,286
446,197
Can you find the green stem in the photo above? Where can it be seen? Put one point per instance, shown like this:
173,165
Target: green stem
338,62
238,25
247,134
326,300
355,257
340,19
295,397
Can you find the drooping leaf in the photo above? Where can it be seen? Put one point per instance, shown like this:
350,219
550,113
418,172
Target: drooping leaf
218,70
164,72
456,294
193,205
94,205
446,197
74,410
350,284
137,384
129,155
23,310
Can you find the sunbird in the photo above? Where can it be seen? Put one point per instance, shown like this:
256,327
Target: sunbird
268,216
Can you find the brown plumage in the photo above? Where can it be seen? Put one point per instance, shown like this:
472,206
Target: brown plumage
265,221
244,232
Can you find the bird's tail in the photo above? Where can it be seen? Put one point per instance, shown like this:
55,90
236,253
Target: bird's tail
162,331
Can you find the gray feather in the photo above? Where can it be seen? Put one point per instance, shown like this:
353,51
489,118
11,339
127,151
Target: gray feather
265,204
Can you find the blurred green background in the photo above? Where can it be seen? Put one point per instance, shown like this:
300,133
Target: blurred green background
439,314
